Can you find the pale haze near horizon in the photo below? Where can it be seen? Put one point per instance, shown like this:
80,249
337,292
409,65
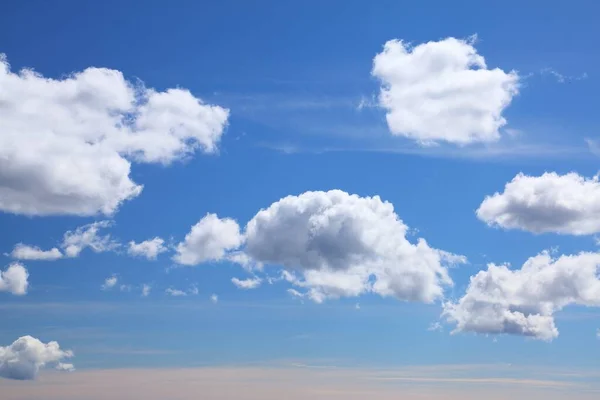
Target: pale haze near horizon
254,383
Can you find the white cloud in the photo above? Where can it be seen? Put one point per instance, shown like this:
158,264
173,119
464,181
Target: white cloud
250,283
208,240
87,236
435,327
146,290
442,91
89,126
67,367
25,356
214,299
175,292
125,288
193,290
149,249
241,258
565,204
295,293
343,245
357,306
73,243
110,283
14,279
523,301
26,252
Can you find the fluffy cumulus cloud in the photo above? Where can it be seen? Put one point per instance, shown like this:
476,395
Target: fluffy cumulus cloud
25,252
250,283
566,204
14,279
209,240
333,244
25,356
523,301
90,126
149,249
442,92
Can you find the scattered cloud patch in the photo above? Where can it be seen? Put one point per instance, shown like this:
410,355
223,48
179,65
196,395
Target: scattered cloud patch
561,78
295,293
593,146
90,126
435,327
66,367
214,299
109,283
175,292
192,291
14,279
74,242
146,289
23,359
250,283
25,252
523,301
366,102
86,236
442,91
333,244
564,204
209,240
150,249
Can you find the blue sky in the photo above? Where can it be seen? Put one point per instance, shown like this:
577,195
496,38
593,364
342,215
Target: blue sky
304,115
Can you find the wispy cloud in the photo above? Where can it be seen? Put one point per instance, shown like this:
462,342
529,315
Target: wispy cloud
503,381
284,101
561,78
435,327
593,146
116,350
475,153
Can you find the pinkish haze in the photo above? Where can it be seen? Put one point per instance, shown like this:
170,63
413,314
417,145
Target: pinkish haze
255,383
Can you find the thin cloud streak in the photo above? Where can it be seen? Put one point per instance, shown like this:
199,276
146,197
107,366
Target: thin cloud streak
500,381
499,153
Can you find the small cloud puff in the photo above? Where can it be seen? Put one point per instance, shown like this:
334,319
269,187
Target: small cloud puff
23,359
